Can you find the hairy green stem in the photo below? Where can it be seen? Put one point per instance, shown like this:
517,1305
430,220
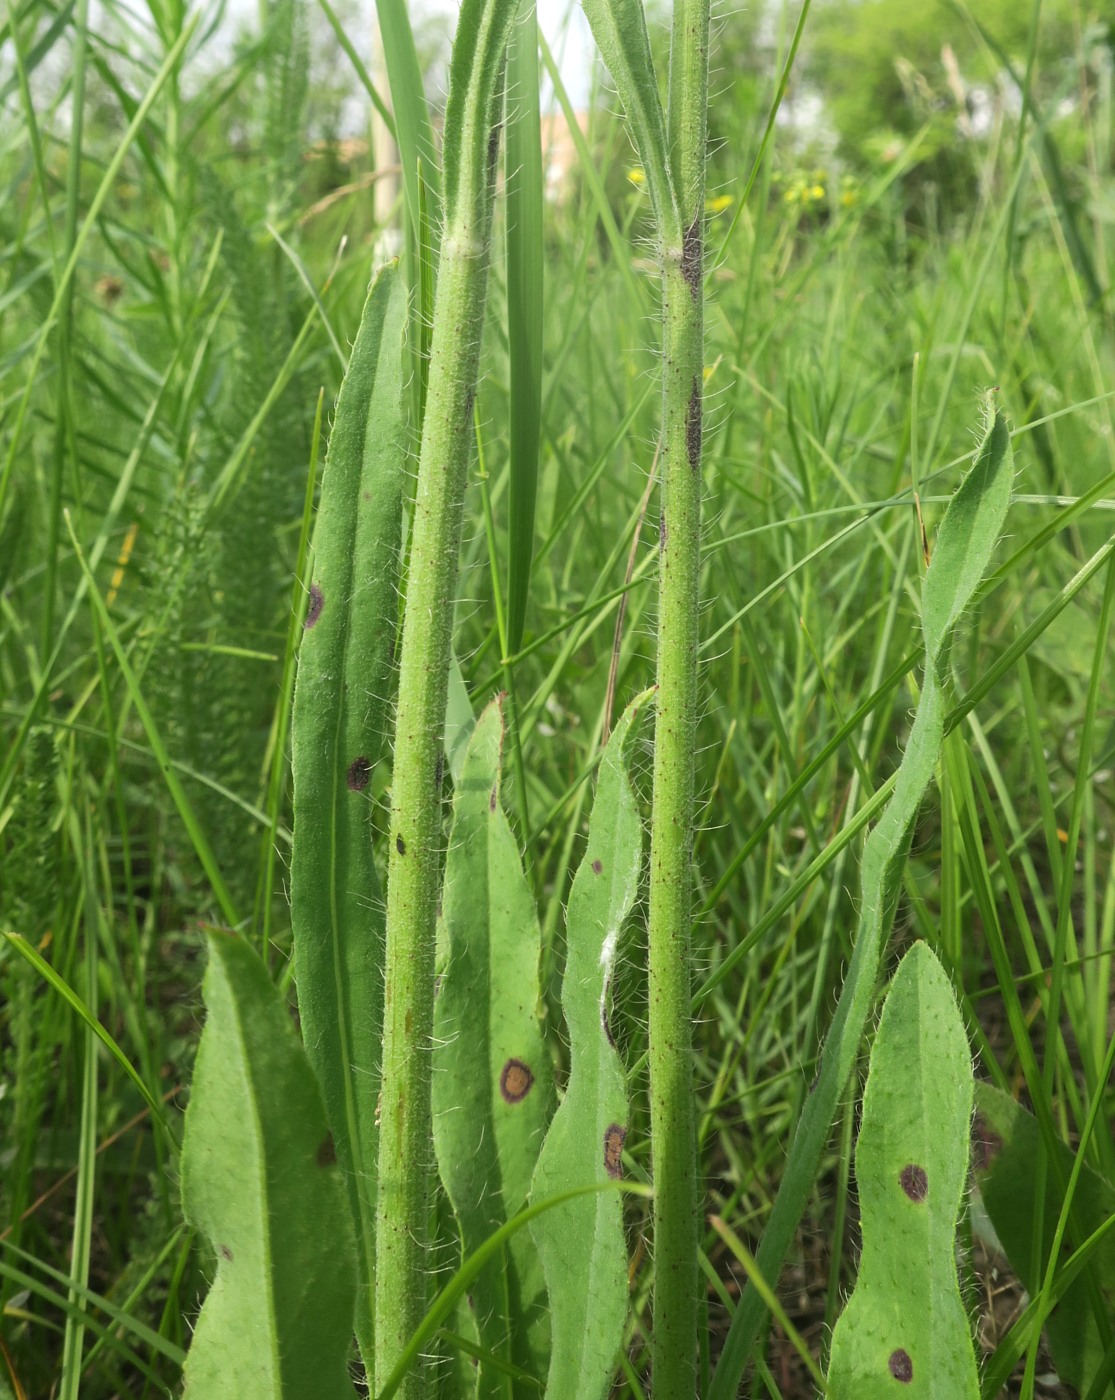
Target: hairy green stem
415,837
673,1127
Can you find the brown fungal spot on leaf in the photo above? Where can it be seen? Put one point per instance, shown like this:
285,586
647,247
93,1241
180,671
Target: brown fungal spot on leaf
693,425
614,1138
900,1365
986,1143
327,1152
597,866
914,1182
359,771
225,1252
691,257
400,844
515,1081
317,602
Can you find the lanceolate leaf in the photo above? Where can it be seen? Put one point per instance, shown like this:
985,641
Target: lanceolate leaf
492,1087
1007,1151
581,1243
966,541
340,714
260,1180
620,30
905,1321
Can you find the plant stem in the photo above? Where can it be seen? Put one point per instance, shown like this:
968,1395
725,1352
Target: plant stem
673,1128
414,868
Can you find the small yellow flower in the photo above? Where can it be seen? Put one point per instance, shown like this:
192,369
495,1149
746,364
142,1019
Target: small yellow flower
718,204
817,192
848,198
637,175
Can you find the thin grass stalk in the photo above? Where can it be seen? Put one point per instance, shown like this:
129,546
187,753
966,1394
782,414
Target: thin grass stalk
415,837
673,1125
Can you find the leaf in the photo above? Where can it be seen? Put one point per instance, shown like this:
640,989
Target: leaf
1008,1150
337,735
260,1180
492,1086
620,30
967,538
905,1320
581,1244
525,276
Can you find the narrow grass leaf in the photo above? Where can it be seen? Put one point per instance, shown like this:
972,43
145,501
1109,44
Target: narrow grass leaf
492,1088
966,541
260,1180
340,718
523,163
911,1171
582,1244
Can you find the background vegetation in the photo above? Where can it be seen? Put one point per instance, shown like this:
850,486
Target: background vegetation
186,237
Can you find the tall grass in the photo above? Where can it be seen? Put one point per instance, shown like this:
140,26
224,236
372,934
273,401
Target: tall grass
143,777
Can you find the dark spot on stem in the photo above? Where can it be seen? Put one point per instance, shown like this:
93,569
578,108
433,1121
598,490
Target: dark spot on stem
439,772
317,602
614,1137
597,866
691,256
400,844
693,424
327,1152
225,1252
515,1081
914,1182
663,532
359,771
493,800
900,1365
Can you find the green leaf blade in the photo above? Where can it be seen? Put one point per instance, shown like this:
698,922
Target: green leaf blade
492,1084
905,1321
340,719
581,1243
260,1180
968,535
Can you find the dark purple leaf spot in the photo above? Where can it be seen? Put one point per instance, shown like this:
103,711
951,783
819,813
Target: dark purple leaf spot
317,602
359,771
493,800
614,1138
515,1081
597,866
900,1366
225,1252
327,1152
914,1182
400,844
